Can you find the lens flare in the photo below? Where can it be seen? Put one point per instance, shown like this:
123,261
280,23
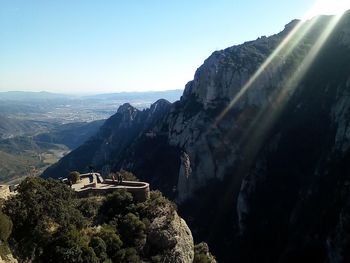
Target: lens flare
286,47
283,50
260,126
326,7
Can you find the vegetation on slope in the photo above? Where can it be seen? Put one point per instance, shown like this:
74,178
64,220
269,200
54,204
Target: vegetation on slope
29,155
50,224
22,156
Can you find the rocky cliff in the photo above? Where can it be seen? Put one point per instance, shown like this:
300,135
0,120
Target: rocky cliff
172,236
113,138
256,152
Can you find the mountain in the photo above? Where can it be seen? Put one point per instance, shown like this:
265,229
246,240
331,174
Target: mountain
256,152
112,140
25,151
10,127
170,95
24,96
71,134
23,156
30,96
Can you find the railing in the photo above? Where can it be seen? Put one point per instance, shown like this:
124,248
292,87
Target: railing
139,190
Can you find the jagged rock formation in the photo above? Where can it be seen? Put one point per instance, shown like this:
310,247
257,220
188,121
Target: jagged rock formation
8,259
259,162
171,235
113,138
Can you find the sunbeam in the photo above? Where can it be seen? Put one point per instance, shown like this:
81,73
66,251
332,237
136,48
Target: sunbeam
260,126
285,48
326,7
268,115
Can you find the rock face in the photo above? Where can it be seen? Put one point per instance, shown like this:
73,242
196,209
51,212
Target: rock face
113,138
9,259
172,236
256,152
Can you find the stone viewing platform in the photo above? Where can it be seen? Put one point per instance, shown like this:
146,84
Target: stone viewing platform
93,183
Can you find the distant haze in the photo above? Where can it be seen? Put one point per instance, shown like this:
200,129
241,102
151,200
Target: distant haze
87,46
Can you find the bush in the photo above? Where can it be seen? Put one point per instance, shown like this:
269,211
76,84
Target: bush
156,205
89,207
128,255
117,203
132,230
112,241
202,254
99,247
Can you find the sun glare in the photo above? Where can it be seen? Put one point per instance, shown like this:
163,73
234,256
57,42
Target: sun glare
285,48
326,7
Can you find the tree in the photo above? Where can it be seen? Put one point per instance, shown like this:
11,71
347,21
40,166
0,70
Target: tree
99,247
74,177
132,230
112,240
117,203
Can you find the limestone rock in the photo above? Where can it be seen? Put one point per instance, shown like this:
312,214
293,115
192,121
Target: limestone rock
9,259
170,235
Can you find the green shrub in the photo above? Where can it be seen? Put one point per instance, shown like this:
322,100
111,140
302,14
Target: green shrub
88,255
99,247
202,254
132,230
112,241
89,207
117,203
156,206
128,255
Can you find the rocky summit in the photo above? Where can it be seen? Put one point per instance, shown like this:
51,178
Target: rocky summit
255,153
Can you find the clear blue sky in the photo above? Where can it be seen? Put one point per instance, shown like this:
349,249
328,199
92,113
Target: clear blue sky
96,46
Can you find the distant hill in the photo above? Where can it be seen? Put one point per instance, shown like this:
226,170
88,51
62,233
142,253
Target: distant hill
13,166
63,108
22,156
10,127
27,155
28,95
152,96
72,134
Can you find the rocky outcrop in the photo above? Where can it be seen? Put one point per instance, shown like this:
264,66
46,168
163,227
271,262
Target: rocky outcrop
172,236
111,141
8,259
